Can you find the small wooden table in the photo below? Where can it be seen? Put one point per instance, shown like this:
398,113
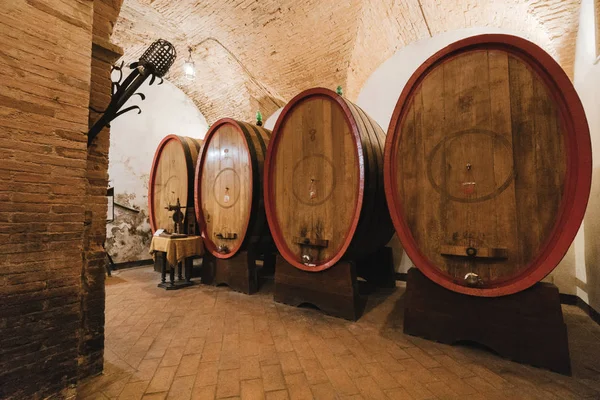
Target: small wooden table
176,252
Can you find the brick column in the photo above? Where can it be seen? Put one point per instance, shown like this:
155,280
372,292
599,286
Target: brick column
45,60
91,340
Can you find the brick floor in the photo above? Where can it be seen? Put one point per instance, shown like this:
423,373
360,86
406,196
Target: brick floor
205,342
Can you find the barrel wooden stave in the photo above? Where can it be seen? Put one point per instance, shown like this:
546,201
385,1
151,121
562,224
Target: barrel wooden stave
172,177
324,181
228,187
375,226
480,155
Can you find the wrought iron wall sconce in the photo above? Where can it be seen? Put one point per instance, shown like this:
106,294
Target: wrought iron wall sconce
155,62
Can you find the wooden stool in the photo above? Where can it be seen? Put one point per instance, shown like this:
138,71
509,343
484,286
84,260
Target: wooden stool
181,282
180,251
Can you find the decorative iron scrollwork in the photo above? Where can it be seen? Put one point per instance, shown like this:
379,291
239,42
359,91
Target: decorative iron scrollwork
154,63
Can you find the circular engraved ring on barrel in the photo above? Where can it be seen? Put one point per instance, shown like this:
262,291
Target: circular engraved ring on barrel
318,121
172,177
172,183
451,140
240,209
301,189
236,188
537,66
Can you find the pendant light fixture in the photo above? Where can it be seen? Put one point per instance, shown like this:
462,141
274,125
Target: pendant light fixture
189,69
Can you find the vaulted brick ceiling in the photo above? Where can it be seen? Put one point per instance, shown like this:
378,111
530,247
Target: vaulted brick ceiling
255,54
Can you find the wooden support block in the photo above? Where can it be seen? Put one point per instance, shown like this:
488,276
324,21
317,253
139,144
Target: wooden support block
334,290
239,272
527,326
378,268
268,259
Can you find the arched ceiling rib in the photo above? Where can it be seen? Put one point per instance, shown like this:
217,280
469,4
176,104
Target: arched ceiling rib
252,54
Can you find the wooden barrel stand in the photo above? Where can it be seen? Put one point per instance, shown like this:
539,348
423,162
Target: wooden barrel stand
240,272
526,327
335,290
378,268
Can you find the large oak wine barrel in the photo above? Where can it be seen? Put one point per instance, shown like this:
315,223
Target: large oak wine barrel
228,188
488,165
324,190
172,178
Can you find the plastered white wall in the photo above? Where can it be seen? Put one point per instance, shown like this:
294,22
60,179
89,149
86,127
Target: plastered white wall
585,275
133,141
270,122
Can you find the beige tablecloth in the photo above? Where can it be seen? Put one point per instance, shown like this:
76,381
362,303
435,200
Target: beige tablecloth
177,249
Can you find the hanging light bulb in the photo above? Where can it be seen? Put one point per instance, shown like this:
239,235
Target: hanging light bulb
189,69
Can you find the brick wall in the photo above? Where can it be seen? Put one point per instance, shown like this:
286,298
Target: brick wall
104,54
52,204
45,63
